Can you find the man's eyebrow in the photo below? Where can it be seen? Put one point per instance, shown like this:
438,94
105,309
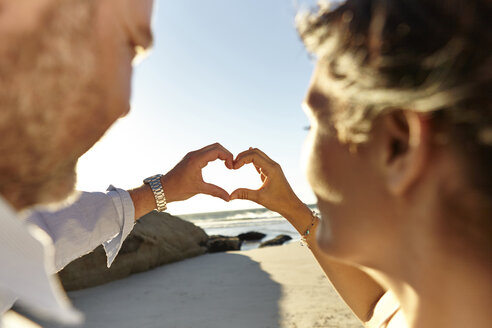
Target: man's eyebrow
145,36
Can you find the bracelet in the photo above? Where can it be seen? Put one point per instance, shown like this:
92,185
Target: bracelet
306,234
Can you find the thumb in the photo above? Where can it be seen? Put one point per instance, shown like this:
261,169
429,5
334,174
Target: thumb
213,190
247,194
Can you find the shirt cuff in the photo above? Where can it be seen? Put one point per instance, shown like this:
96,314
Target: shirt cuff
126,212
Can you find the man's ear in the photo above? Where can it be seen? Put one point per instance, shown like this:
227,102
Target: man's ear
406,145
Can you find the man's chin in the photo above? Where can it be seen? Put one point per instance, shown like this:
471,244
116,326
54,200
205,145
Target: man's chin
58,192
59,203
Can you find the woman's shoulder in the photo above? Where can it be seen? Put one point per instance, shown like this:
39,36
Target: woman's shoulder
387,313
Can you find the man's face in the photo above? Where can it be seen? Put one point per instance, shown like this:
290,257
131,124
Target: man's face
346,181
65,78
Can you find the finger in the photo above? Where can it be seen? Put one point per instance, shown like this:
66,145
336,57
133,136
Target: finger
246,194
216,151
258,169
255,151
250,157
213,190
259,151
257,158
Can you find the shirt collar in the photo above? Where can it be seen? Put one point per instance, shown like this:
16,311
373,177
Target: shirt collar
26,258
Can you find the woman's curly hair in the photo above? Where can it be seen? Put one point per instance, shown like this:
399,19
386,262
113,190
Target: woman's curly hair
432,56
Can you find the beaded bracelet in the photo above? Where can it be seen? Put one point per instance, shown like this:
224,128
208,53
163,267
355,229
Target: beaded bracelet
306,234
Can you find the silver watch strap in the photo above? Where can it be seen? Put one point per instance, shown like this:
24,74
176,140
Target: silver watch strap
155,184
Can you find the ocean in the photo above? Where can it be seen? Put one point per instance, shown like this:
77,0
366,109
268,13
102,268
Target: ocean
232,223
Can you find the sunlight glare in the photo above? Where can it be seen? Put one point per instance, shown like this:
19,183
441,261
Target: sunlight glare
230,180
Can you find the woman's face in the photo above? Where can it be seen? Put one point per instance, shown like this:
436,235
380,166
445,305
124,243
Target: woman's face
346,181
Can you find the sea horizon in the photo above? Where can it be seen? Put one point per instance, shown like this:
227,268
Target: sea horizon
234,222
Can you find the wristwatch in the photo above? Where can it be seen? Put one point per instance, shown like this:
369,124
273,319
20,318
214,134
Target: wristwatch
155,184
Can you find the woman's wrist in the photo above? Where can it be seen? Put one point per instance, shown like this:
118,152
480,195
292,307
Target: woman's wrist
310,230
299,215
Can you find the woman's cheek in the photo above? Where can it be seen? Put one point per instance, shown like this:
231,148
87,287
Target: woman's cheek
321,166
306,154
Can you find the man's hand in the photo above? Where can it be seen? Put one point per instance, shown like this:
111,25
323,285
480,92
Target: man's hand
185,180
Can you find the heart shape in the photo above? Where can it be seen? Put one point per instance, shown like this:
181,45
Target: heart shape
230,180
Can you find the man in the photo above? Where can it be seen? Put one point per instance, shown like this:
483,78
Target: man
65,72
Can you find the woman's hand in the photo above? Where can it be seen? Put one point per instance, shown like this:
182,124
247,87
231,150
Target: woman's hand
276,193
358,290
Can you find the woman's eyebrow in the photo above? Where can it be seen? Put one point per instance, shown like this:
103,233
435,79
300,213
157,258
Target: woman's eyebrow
316,101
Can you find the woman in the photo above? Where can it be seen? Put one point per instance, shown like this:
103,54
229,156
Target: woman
400,156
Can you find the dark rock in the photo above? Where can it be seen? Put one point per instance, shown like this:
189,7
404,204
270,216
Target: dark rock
157,239
251,235
279,240
218,243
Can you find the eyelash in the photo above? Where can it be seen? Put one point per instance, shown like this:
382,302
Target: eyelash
307,128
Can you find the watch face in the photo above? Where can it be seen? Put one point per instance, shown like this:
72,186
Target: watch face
149,179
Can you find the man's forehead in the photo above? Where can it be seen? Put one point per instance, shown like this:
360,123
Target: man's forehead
18,13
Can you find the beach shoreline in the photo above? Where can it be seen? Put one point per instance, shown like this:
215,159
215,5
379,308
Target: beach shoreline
233,223
280,286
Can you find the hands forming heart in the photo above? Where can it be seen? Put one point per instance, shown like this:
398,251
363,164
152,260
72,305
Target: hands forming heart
185,180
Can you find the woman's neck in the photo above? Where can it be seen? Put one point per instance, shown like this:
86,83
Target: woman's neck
442,291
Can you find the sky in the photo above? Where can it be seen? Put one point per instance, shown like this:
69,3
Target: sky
227,71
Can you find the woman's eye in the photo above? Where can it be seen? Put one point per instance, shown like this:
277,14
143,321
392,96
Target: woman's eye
307,128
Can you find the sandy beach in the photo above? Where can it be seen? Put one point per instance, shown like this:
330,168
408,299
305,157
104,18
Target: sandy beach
270,287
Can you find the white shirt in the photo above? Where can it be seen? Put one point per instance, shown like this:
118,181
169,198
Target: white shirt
32,250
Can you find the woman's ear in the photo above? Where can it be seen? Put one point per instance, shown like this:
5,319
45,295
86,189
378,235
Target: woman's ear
406,144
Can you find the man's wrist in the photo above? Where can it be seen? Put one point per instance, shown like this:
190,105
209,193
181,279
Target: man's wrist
143,200
155,184
167,187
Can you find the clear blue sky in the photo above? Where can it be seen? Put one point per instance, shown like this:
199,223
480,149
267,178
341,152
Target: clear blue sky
227,71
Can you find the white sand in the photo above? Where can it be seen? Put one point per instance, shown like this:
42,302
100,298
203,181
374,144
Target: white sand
270,287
